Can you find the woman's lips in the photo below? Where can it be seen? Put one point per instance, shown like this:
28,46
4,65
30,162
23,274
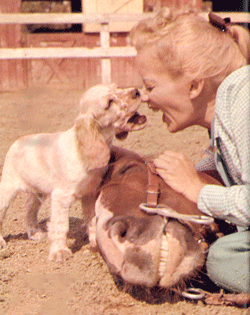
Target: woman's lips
165,119
155,109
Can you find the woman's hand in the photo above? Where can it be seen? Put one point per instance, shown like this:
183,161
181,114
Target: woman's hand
180,174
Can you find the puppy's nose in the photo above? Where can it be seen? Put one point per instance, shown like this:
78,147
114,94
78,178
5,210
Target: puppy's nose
136,93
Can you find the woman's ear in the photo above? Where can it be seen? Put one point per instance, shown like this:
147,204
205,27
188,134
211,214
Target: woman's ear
196,87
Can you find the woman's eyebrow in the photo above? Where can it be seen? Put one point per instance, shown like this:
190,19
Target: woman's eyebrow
148,81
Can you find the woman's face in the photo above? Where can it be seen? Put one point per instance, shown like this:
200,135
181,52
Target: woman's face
171,96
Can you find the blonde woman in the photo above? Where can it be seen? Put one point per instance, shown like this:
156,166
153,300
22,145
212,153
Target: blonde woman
196,72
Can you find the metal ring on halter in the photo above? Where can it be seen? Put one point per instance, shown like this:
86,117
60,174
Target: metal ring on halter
171,213
193,294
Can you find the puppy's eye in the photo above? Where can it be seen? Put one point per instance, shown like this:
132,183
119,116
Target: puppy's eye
110,102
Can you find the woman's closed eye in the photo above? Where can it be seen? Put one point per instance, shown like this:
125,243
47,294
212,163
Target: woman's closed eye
149,88
148,85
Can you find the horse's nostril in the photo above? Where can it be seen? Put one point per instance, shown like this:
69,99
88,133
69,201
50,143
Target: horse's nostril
123,233
135,93
119,229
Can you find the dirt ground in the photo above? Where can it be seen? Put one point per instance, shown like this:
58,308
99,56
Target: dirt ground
32,285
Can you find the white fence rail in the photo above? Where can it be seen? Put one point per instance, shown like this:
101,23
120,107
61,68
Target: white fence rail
76,18
81,18
105,52
66,52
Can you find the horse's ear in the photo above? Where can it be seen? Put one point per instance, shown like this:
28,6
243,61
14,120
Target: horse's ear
92,146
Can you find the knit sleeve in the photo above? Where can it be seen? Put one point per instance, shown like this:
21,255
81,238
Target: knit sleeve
233,203
207,164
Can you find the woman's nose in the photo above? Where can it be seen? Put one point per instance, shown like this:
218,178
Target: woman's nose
144,95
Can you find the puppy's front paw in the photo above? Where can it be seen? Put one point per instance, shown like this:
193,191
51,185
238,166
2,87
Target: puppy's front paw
36,235
60,255
92,234
93,243
2,242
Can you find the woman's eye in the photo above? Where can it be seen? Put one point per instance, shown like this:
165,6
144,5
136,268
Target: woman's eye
149,88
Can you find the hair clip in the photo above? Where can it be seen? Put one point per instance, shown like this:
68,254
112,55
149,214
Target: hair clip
218,22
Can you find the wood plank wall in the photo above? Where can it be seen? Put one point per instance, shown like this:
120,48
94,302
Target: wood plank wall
69,72
13,72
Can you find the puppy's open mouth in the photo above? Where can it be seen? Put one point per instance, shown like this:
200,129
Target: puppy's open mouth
136,122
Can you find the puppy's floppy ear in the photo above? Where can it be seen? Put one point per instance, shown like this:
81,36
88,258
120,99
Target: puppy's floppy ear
92,146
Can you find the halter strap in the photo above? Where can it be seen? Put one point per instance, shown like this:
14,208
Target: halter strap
169,212
152,206
153,188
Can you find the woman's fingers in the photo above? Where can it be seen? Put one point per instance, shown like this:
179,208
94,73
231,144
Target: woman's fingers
179,173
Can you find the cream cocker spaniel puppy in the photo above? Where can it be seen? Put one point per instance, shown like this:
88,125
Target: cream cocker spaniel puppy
68,165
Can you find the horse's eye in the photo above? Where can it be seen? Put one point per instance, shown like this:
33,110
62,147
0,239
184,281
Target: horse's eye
110,102
127,167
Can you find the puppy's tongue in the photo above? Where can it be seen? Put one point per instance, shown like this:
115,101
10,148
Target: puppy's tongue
136,119
122,135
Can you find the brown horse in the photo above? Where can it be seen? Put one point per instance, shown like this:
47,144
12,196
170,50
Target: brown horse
147,249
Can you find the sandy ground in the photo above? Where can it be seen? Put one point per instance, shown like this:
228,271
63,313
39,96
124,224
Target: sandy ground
29,283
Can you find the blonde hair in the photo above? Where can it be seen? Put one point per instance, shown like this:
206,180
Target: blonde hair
187,43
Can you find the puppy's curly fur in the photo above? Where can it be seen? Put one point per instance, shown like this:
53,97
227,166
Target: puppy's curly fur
66,165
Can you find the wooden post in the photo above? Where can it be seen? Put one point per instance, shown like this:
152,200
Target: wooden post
13,72
105,62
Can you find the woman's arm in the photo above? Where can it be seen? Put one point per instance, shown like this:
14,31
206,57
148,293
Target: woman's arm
228,203
233,203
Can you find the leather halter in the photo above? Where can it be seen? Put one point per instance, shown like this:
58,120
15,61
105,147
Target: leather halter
153,188
152,206
153,192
